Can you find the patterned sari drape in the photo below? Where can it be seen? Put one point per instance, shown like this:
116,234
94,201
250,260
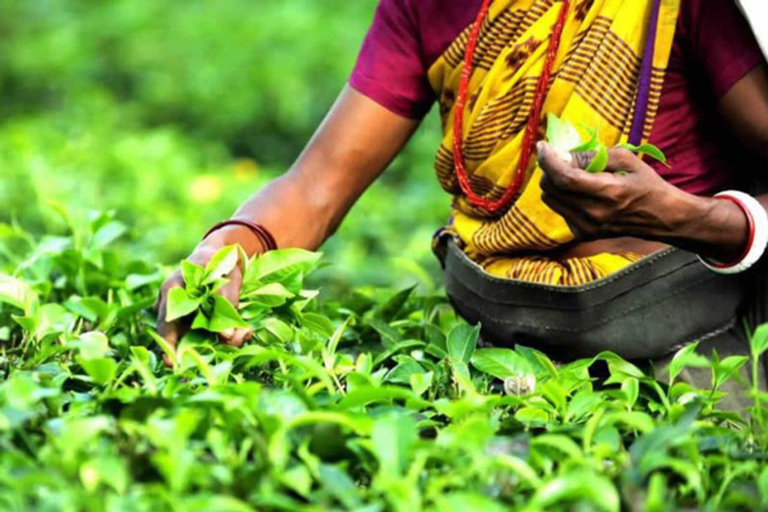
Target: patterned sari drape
594,84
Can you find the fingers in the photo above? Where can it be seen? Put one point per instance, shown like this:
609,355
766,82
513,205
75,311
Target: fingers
623,160
564,176
231,292
568,213
619,160
237,337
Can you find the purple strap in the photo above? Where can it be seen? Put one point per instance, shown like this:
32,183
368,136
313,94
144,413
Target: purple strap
646,71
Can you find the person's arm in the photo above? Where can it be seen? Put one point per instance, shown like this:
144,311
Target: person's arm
355,143
641,204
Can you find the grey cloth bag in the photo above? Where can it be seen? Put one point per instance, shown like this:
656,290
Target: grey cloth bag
645,311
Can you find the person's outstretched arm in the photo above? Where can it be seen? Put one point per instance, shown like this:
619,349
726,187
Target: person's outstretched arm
354,144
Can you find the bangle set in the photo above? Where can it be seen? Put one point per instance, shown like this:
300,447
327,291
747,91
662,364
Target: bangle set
259,231
757,221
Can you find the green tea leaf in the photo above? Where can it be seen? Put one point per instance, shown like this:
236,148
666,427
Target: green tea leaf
224,316
192,274
389,310
180,304
759,341
600,161
462,377
221,264
686,357
726,369
386,394
298,479
389,334
762,484
167,349
657,500
403,372
421,382
462,341
341,486
335,339
109,471
16,292
634,420
591,145
564,444
581,486
101,369
270,295
561,134
502,363
282,332
92,345
318,323
466,501
646,149
631,388
275,266
107,234
393,438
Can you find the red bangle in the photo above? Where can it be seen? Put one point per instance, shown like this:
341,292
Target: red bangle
750,240
264,236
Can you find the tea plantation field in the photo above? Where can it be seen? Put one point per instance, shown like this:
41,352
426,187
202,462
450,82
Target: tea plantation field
374,400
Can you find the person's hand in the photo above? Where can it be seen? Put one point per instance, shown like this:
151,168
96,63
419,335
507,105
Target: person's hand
628,199
172,332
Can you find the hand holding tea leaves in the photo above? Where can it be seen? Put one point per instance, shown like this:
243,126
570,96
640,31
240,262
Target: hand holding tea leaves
199,296
566,141
205,298
203,293
620,195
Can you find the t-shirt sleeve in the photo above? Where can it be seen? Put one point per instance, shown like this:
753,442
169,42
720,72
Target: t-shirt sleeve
390,68
721,41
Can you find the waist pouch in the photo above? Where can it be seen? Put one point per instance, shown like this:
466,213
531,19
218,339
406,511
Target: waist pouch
645,311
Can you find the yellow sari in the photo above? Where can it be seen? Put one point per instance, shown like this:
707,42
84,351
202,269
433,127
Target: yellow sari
594,83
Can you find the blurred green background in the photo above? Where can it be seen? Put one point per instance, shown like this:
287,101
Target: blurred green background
173,113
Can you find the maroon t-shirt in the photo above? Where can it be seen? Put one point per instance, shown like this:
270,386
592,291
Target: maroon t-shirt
713,49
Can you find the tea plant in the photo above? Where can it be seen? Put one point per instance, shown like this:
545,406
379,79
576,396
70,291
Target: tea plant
374,401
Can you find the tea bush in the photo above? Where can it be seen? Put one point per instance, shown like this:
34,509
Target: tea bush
377,401
258,76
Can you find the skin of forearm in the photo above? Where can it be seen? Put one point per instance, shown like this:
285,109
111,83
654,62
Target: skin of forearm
714,228
296,213
718,228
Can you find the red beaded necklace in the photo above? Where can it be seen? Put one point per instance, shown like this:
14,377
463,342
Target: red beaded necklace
534,119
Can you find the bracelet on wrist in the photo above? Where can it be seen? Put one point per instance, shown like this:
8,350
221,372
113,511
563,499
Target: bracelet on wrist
757,240
260,232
